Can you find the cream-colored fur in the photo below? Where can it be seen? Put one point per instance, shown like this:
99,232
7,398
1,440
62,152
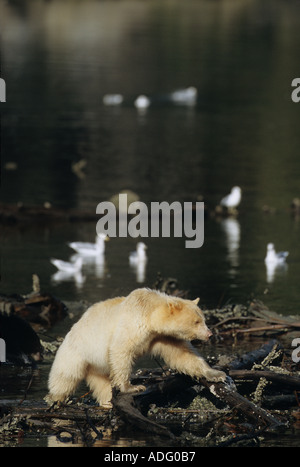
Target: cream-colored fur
104,344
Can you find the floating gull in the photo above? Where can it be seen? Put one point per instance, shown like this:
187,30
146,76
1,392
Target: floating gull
93,264
100,266
62,276
187,96
275,258
232,200
138,261
67,267
142,102
275,270
113,99
140,270
90,249
232,231
139,255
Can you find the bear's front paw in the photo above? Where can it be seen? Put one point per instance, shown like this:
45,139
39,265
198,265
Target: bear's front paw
215,375
106,405
138,388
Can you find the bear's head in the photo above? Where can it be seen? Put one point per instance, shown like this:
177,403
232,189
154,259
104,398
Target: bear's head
183,319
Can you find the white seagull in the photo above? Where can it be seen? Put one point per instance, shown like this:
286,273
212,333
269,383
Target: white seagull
90,249
113,99
65,266
138,261
232,200
142,102
187,96
138,256
275,258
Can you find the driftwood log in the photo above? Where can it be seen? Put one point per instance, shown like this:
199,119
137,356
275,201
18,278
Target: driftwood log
282,379
247,360
227,393
37,307
126,407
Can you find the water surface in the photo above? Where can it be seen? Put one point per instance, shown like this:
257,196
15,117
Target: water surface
60,58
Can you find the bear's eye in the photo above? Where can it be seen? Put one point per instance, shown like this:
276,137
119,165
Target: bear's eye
197,321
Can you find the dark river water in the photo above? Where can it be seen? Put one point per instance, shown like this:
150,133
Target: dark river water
59,58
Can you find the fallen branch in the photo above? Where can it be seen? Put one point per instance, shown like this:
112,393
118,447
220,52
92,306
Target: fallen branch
64,413
269,327
125,406
248,359
228,394
285,380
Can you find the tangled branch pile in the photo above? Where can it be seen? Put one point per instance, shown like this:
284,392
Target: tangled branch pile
259,396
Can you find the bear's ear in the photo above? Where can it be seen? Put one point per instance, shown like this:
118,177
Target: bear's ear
173,307
196,301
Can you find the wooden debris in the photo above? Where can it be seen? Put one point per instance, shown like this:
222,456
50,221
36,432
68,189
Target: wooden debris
37,307
68,423
87,423
179,409
228,394
247,360
282,379
125,406
225,392
257,319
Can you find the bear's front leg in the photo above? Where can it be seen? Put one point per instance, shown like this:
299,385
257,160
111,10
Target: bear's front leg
213,375
183,357
120,372
197,367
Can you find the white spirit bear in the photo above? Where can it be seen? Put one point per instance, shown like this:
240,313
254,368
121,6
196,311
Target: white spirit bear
103,345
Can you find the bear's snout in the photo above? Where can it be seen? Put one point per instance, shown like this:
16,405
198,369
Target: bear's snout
203,333
208,334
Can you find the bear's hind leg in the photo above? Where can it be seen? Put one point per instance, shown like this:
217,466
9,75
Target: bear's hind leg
101,387
60,388
64,379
